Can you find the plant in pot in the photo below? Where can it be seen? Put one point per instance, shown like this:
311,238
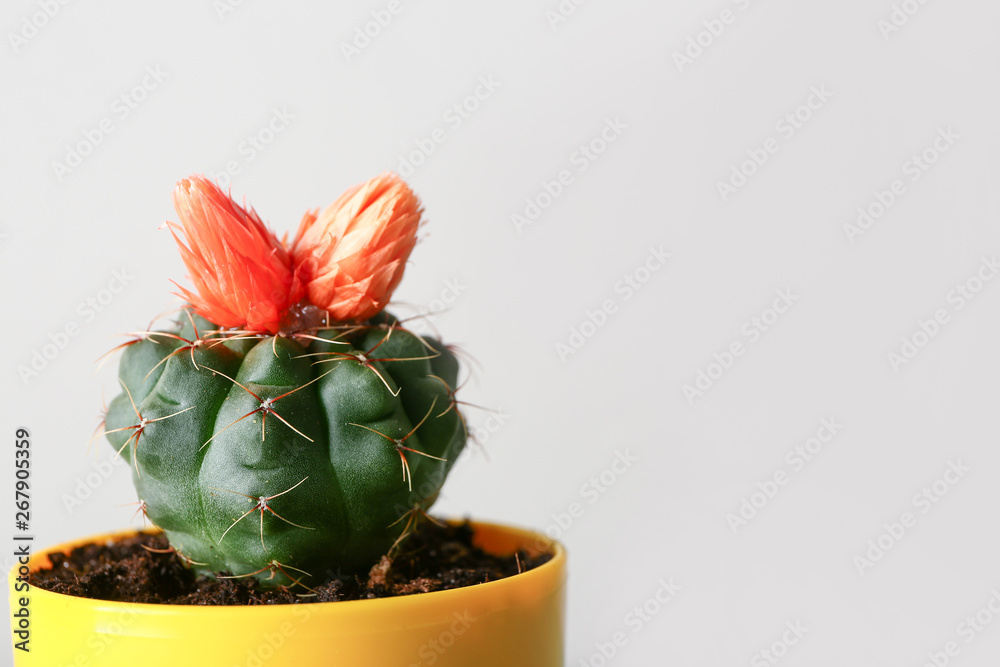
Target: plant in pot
287,429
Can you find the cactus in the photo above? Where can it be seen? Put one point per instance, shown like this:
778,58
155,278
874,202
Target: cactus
287,427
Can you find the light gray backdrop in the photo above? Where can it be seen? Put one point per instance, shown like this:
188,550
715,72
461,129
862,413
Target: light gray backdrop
727,267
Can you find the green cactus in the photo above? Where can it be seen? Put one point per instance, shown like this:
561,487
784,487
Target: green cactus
288,428
285,457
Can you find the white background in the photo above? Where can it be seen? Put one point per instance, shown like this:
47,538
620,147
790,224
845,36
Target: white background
684,126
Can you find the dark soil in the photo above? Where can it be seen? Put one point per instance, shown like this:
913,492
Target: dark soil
432,559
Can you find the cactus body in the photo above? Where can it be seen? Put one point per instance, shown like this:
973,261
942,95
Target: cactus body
287,458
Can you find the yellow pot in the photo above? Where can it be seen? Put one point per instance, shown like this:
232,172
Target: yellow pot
512,622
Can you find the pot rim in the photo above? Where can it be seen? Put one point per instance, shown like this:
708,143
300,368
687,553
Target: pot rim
545,577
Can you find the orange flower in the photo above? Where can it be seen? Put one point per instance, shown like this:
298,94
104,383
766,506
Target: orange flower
351,257
242,273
